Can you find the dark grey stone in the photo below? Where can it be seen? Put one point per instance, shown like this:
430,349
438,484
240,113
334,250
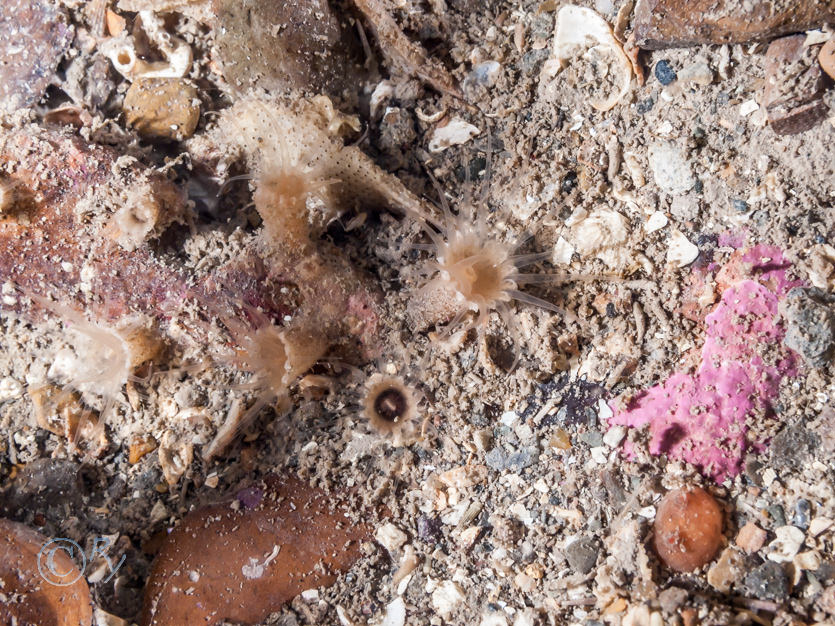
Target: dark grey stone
768,582
522,459
496,459
810,320
792,446
582,554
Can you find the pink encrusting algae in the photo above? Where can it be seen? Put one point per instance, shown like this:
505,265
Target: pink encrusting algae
704,417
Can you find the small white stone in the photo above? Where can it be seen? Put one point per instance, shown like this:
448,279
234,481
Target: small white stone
680,251
604,411
521,513
604,234
769,476
748,107
599,454
541,486
509,418
637,615
10,388
158,512
563,251
446,597
698,73
614,436
670,168
526,617
310,595
344,620
469,536
786,545
819,525
815,37
103,618
648,512
390,537
656,221
666,128
810,560
456,132
395,613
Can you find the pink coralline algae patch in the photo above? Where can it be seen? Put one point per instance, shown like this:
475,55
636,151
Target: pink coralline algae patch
704,418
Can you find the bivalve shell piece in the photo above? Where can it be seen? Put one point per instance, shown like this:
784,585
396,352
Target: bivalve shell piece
583,36
456,132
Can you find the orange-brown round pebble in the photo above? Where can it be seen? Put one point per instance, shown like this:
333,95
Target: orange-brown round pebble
688,529
40,582
827,57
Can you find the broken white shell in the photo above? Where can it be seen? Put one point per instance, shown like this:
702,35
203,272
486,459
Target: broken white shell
603,234
122,53
563,251
446,596
680,251
581,31
395,613
457,131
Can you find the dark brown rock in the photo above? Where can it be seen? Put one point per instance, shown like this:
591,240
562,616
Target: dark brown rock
794,84
34,35
242,563
676,23
286,45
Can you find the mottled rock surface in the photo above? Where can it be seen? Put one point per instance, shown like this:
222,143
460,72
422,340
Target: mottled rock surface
676,23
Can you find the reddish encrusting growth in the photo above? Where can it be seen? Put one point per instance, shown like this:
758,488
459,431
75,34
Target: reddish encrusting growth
51,251
46,245
688,529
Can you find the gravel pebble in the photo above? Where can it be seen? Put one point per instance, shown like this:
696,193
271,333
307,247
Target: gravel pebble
664,72
811,325
582,554
768,582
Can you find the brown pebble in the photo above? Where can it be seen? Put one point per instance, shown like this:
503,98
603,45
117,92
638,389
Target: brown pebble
750,537
162,108
674,23
827,58
688,529
794,85
139,447
26,597
243,560
690,617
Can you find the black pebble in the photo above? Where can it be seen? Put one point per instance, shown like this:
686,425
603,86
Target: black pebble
644,106
664,72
